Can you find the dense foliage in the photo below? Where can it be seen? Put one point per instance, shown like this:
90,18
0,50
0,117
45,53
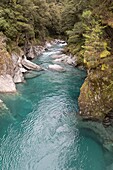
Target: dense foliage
89,26
29,20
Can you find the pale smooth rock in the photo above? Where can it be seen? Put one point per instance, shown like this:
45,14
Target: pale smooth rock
31,74
15,59
70,61
56,67
18,77
2,106
48,45
23,70
7,84
65,59
56,56
30,65
59,60
18,69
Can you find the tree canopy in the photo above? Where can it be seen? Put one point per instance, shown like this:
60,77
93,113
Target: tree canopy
89,26
29,19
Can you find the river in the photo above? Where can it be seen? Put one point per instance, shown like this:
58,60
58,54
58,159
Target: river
39,130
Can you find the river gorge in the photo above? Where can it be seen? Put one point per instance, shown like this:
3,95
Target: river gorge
39,128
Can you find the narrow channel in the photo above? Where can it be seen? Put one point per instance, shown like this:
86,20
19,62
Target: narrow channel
39,129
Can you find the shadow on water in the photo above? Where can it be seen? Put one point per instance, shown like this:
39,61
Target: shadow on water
108,156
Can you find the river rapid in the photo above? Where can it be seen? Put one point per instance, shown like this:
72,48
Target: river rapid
39,130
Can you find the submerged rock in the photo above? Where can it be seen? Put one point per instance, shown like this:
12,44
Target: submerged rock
7,84
3,107
1,103
103,134
31,74
56,67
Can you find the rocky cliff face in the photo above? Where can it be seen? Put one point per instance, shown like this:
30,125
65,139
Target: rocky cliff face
96,101
96,97
6,68
14,65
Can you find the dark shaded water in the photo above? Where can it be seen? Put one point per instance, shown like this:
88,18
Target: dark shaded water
39,131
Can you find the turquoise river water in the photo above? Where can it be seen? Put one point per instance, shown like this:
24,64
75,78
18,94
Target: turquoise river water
39,129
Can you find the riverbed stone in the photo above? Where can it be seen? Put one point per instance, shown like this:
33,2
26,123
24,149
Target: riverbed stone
65,59
56,67
56,56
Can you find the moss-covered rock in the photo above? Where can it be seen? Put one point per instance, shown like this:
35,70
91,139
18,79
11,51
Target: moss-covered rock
96,96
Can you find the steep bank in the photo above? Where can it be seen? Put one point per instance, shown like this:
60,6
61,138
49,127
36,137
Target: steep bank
96,102
14,64
6,68
96,105
90,40
96,97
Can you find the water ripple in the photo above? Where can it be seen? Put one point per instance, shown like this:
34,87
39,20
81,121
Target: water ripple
43,133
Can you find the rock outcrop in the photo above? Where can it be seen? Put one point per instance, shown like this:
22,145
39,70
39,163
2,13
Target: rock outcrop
18,69
96,97
7,84
34,51
18,77
30,65
13,66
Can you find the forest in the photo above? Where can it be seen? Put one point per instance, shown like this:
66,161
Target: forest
29,20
